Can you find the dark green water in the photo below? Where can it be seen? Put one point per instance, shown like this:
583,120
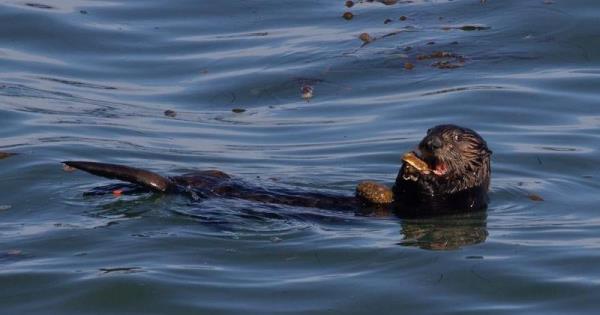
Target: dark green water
91,80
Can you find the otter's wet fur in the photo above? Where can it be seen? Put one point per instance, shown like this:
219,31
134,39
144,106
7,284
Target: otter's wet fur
458,158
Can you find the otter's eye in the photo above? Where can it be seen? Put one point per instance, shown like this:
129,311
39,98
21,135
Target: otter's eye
428,130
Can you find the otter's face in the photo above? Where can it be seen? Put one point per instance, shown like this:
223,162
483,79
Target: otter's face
457,156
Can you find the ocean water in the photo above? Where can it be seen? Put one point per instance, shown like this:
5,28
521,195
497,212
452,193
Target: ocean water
92,80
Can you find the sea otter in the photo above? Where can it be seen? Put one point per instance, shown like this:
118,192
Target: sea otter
449,172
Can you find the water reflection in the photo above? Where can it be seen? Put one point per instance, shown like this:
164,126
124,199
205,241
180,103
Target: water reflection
446,232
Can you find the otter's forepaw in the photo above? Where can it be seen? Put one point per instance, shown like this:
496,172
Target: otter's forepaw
374,193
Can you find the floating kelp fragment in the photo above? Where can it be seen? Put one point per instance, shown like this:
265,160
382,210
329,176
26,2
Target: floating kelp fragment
4,155
452,60
348,16
366,38
409,66
535,197
469,28
170,113
238,110
446,64
436,54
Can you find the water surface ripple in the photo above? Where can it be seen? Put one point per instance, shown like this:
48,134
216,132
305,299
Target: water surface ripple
85,79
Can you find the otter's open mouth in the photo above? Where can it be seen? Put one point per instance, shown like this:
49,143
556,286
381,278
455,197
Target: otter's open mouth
422,166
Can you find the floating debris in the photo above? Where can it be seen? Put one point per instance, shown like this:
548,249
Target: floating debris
348,16
306,92
436,54
402,18
238,110
4,155
366,38
535,197
474,28
349,4
446,64
387,21
453,60
170,113
409,66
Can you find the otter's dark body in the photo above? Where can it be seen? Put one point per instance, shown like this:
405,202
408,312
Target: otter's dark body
425,197
458,182
215,184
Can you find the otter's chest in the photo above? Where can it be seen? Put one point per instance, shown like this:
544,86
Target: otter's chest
427,195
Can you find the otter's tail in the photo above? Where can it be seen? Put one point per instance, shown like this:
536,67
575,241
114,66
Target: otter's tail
134,175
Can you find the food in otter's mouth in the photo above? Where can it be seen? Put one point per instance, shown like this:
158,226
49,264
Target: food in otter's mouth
413,160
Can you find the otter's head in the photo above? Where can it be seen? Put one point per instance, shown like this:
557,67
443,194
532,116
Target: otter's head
457,157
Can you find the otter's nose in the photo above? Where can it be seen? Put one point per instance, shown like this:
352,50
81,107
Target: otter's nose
435,143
